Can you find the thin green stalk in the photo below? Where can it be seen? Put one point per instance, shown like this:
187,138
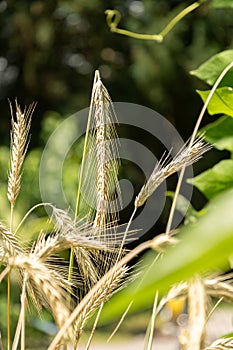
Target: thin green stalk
78,198
194,134
179,17
113,18
9,311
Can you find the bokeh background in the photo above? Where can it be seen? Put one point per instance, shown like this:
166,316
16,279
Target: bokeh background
50,49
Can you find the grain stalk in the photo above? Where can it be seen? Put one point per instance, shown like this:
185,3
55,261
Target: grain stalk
19,143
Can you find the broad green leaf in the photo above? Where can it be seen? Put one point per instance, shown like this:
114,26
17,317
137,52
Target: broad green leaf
210,70
220,133
203,246
215,180
221,3
221,101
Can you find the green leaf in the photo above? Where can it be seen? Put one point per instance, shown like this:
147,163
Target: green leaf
215,180
205,245
221,3
210,70
221,101
220,133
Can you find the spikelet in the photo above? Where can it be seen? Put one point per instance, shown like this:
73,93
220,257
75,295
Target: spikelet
100,186
45,284
101,295
187,156
102,161
19,142
10,243
220,287
221,344
84,243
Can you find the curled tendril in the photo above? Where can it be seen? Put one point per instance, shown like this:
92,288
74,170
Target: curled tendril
113,18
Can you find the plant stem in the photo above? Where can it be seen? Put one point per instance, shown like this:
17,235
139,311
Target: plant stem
9,311
9,290
114,16
120,322
178,18
30,211
194,134
23,300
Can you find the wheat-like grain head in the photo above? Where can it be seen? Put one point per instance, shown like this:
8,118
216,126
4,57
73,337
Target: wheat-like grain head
44,284
9,242
186,156
21,123
101,295
220,287
102,162
221,344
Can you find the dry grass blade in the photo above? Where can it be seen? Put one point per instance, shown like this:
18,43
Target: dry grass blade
221,344
186,156
101,295
193,337
19,141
